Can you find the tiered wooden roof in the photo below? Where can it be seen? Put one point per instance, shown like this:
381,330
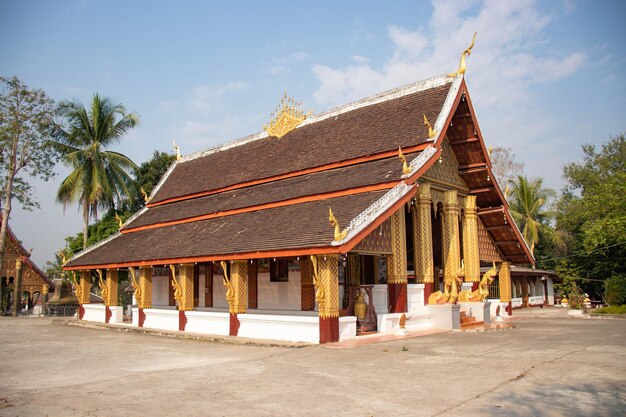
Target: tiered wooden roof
263,196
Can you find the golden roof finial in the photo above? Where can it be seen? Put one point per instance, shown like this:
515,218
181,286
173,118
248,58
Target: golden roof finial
178,155
506,191
405,166
120,223
339,235
465,53
489,150
431,132
144,194
61,254
287,116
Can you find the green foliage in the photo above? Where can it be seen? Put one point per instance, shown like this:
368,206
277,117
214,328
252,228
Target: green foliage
25,125
615,290
592,214
575,297
617,309
150,173
99,178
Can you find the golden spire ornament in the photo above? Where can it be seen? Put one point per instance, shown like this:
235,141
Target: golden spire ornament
144,194
287,116
465,53
177,149
339,235
120,223
431,132
405,166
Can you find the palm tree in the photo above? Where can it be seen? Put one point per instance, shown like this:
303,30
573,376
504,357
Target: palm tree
100,178
528,200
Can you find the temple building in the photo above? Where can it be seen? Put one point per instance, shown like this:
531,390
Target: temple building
370,217
17,270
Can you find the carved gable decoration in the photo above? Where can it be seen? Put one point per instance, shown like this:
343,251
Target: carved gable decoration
377,242
446,171
487,250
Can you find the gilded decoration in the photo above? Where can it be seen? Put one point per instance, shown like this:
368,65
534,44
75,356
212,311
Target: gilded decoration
287,116
85,287
326,280
178,290
338,234
177,149
450,237
377,242
466,53
405,167
431,132
422,235
112,286
228,285
447,170
104,291
238,277
470,240
487,250
482,293
505,282
31,280
145,283
146,199
185,279
119,221
451,286
397,264
135,284
307,289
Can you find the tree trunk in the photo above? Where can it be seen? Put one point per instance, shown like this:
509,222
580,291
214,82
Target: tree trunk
8,195
85,223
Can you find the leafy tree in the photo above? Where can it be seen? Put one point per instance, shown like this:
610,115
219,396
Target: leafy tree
592,214
504,166
100,178
528,202
151,172
26,118
615,290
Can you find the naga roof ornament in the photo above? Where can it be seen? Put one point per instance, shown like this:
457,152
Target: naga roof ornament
287,116
465,53
431,132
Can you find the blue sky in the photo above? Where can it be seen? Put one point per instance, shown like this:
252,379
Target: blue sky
545,77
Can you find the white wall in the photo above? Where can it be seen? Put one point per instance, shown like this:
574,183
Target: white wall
279,295
160,290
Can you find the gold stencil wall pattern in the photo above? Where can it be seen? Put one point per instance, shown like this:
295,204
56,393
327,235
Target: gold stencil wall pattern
185,279
450,239
505,282
239,279
85,287
328,285
397,260
112,287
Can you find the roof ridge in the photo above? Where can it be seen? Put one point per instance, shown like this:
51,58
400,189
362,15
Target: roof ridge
391,94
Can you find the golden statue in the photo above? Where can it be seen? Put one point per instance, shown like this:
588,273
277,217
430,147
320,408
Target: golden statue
230,289
104,291
320,295
482,293
178,155
178,291
145,195
465,53
135,285
339,235
78,291
120,223
405,167
61,254
451,287
431,132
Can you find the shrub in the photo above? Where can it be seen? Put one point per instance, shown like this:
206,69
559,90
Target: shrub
610,310
615,290
575,297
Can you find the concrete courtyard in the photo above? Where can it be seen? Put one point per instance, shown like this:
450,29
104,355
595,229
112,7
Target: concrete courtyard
548,365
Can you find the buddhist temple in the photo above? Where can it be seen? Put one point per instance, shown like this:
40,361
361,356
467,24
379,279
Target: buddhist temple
18,270
370,217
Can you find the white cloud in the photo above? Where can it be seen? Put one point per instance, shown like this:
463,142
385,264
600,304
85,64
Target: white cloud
283,64
206,98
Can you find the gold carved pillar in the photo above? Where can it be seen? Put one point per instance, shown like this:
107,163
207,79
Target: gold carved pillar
307,289
505,282
145,284
84,287
185,280
239,282
470,241
112,285
450,237
326,279
396,265
423,236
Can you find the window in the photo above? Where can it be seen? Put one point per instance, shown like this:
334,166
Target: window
279,270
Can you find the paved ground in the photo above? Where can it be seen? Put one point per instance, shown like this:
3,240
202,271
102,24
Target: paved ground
548,365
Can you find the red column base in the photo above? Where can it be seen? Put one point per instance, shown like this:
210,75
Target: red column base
234,325
107,314
81,312
475,286
397,298
509,308
428,290
142,317
329,329
182,320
